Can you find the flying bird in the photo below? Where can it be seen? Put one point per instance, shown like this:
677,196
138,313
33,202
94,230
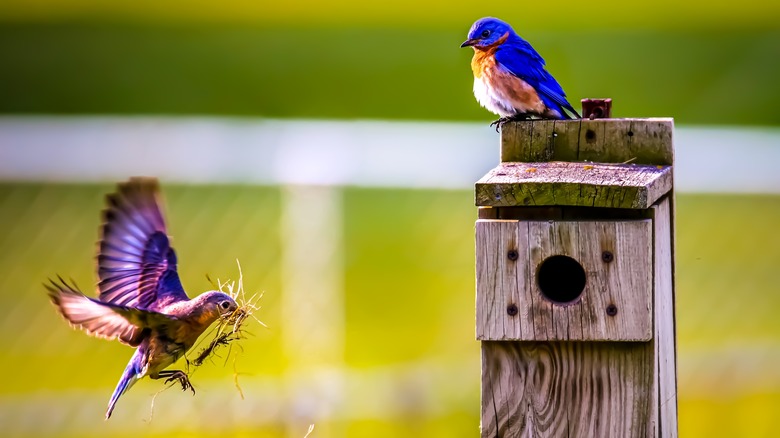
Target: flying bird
141,301
510,78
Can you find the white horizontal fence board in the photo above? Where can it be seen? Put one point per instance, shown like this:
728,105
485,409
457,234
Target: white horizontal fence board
352,153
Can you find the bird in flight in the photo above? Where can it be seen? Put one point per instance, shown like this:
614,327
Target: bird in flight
510,78
141,301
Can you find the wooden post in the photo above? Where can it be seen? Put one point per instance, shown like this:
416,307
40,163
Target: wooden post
575,281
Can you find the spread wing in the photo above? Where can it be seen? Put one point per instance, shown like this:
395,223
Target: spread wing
523,61
103,320
136,264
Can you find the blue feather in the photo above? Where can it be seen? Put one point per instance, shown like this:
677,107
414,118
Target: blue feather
517,56
133,372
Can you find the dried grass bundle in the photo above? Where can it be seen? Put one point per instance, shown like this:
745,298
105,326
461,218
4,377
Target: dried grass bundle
230,328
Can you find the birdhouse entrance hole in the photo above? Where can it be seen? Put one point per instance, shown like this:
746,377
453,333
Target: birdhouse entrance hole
561,279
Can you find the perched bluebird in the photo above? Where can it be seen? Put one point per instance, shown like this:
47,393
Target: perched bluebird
509,75
142,302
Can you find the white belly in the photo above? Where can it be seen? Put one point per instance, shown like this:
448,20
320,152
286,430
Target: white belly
491,100
495,96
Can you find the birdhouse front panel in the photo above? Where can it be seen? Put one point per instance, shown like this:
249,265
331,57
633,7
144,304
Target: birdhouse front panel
575,280
564,280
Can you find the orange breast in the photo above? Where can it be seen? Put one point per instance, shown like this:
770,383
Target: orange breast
482,63
484,59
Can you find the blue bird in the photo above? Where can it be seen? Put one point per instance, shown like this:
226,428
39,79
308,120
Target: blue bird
510,78
142,302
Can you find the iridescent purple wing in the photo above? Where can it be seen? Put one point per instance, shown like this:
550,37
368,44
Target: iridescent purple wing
136,264
104,320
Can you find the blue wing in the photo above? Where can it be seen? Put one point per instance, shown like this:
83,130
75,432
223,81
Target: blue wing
136,264
523,61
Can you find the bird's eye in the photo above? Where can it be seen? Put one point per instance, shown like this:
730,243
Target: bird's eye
485,33
225,305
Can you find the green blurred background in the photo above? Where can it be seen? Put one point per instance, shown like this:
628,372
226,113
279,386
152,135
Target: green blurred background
407,259
700,62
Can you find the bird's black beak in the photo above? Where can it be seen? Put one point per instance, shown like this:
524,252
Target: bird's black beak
470,42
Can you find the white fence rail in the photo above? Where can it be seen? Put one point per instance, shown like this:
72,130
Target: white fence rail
354,153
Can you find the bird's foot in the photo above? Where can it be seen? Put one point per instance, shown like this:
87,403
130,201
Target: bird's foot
177,375
514,118
499,123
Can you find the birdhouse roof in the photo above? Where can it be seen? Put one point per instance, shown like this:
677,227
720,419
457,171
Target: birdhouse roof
582,184
614,163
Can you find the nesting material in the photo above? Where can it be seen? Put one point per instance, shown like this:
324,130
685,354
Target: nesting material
230,328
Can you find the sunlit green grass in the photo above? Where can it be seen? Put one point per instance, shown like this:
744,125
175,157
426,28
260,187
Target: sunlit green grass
409,283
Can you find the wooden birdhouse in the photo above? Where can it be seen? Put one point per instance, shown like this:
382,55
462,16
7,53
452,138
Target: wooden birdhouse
575,281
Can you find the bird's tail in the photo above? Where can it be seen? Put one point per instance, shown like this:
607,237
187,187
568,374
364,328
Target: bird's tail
133,373
566,111
571,110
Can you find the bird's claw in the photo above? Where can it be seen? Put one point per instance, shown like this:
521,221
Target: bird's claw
498,123
183,380
515,118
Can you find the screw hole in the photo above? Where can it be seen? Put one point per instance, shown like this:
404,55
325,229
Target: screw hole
611,310
512,255
561,279
607,257
511,310
630,133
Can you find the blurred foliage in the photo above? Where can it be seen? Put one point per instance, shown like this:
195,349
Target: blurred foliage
612,14
409,284
701,76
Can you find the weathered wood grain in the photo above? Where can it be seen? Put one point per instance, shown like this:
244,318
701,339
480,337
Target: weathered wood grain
625,282
641,141
664,336
579,188
500,281
573,184
567,389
